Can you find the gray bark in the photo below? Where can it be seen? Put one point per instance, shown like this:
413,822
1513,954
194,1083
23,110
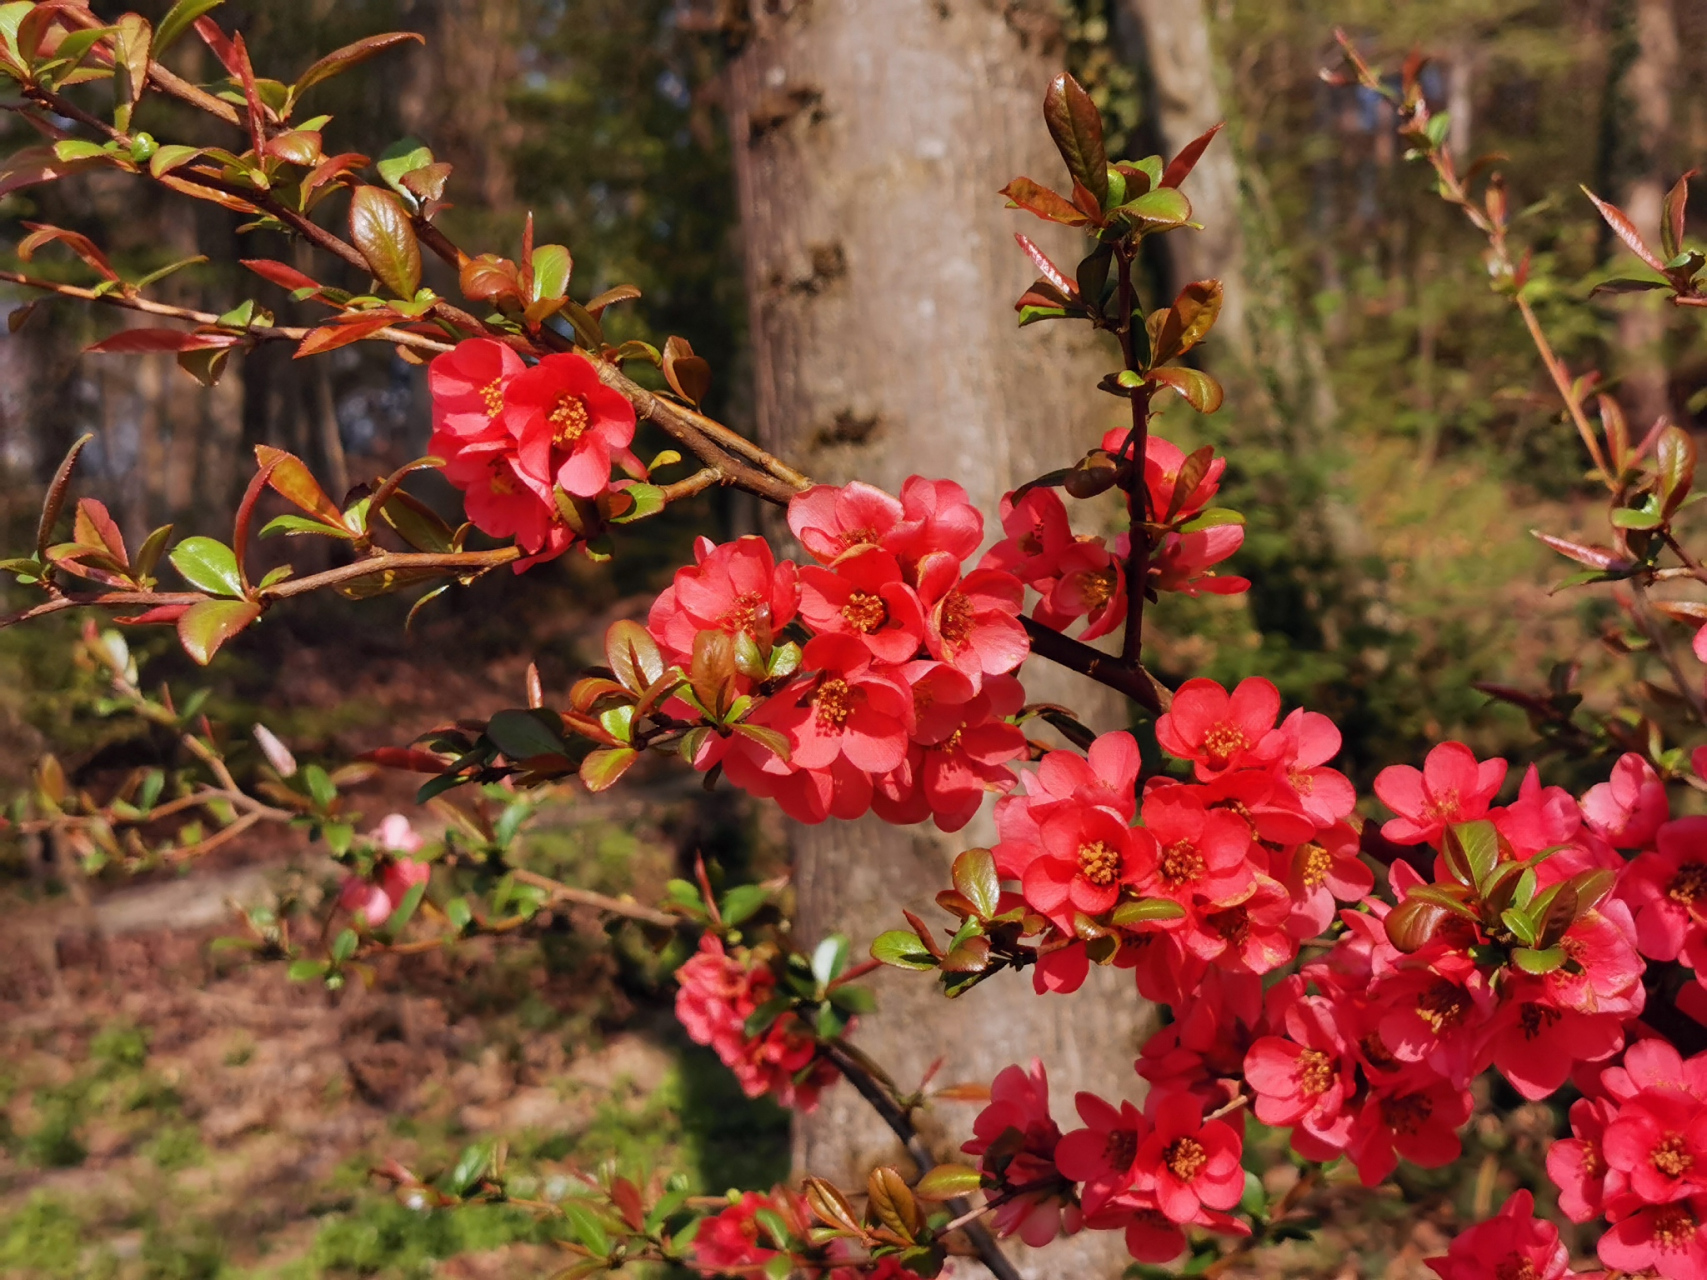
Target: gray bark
1650,83
871,137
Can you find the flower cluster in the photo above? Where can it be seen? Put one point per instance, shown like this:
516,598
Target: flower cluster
717,993
1149,1173
900,698
1229,870
763,1233
1512,1243
524,442
1080,576
1637,1155
371,898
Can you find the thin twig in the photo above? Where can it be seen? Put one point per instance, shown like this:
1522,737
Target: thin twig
587,898
989,1252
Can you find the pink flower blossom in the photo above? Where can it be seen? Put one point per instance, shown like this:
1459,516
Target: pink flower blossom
1451,787
1512,1243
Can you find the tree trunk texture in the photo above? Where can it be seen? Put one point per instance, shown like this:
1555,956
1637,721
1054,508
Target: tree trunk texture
871,138
1651,84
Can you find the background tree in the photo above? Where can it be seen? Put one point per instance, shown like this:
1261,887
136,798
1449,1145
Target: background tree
880,295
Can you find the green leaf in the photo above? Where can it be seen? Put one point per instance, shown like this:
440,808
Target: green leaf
1147,909
1481,844
648,501
405,909
344,946
601,769
1521,925
1200,390
208,565
179,19
291,525
305,970
1631,518
946,1181
204,627
1440,897
522,735
1531,961
470,1167
380,228
1157,210
902,948
458,912
976,879
78,149
854,999
830,959
551,268
742,902
403,156
1213,518
760,1019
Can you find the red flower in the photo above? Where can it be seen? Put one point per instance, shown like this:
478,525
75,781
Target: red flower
1184,562
972,623
1511,1244
1535,1044
1436,1017
1667,892
1103,1154
1106,777
568,425
1629,807
1667,1238
829,521
1306,1079
1415,1120
1300,749
1451,787
1215,730
1092,585
851,709
1659,1143
1019,1101
729,1241
733,587
717,993
1577,1164
1087,857
862,595
1163,462
1186,1162
961,747
1321,871
1038,535
1199,852
937,517
467,386
502,500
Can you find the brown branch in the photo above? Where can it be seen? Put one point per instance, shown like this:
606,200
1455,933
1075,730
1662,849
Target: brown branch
136,302
855,1073
168,82
389,562
587,898
698,482
1106,669
1136,447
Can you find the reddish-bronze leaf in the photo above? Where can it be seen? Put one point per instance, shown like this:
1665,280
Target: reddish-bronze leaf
341,60
1051,273
380,228
1625,230
79,244
147,341
332,336
286,277
1023,193
1182,164
1076,127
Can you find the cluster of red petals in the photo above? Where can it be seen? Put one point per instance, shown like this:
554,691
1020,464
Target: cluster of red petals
1255,851
902,698
736,1241
513,437
371,899
1513,1243
1637,1156
717,993
1149,1173
1082,576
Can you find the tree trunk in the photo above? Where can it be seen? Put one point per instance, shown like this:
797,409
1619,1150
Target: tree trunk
1271,361
1650,83
871,137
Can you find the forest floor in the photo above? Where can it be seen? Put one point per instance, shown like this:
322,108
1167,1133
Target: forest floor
171,1110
